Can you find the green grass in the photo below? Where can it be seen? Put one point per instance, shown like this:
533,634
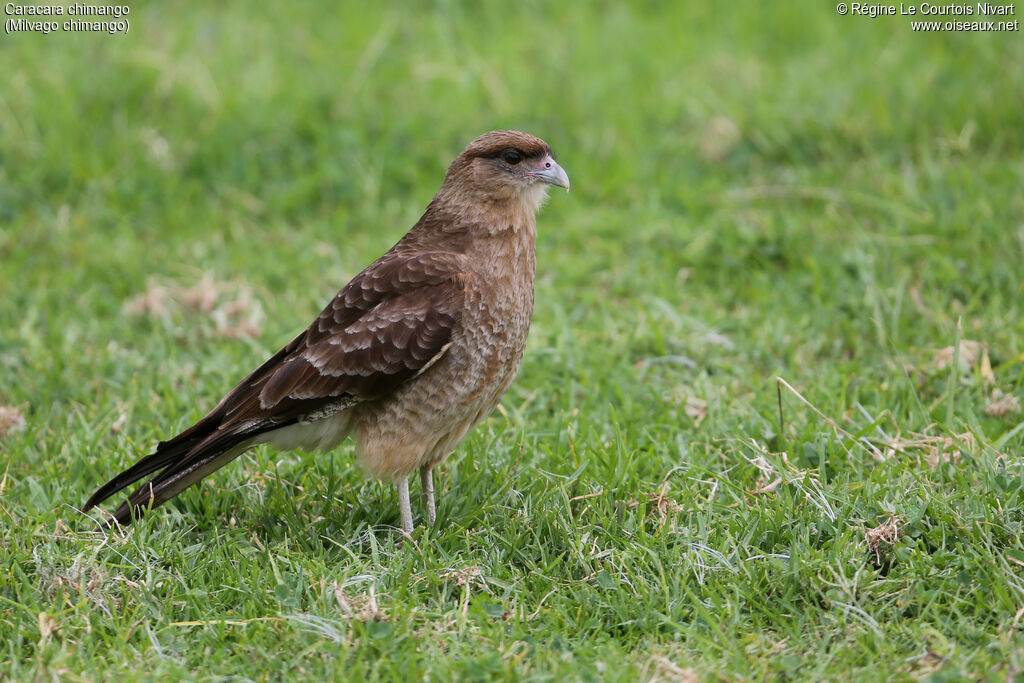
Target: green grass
759,191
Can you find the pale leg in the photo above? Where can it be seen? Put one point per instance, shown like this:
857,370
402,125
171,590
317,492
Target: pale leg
427,480
404,508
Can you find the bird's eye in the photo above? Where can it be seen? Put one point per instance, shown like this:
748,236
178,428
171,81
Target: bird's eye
512,157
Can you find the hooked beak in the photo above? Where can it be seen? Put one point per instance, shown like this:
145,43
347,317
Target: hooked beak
551,172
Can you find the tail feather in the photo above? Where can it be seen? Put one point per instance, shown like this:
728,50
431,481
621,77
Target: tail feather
171,482
206,446
166,453
184,460
149,464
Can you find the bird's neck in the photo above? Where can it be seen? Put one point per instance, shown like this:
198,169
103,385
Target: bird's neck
490,212
450,217
499,240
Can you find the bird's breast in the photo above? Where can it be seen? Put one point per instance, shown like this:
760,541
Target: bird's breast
429,415
499,302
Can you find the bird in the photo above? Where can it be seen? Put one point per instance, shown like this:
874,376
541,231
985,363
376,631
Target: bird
409,356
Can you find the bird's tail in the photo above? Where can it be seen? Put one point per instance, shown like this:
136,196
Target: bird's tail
184,460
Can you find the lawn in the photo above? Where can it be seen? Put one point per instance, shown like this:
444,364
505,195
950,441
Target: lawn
768,424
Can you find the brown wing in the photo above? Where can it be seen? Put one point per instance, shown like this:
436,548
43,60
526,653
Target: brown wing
385,326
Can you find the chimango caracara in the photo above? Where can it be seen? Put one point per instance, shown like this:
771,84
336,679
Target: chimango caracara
407,358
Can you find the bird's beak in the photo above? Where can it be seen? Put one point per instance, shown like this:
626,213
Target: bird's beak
551,172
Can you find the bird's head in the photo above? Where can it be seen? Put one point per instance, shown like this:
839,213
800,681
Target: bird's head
506,166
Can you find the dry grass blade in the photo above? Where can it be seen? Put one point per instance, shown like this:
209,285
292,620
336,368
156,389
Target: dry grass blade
929,449
970,352
883,537
231,306
12,420
1001,404
662,669
867,446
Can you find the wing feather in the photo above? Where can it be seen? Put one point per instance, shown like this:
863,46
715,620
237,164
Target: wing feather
378,332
